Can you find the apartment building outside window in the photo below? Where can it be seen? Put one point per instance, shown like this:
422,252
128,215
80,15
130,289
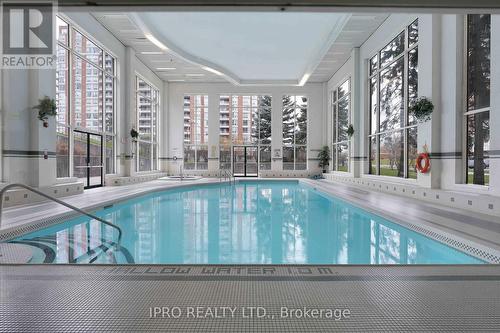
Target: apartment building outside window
245,120
196,132
148,104
85,97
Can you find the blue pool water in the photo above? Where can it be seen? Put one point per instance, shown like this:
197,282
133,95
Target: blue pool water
248,223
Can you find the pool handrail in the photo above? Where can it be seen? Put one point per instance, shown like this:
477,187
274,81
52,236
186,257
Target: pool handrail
226,174
29,188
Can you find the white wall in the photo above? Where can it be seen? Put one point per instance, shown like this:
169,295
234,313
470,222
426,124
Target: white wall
495,107
176,92
441,78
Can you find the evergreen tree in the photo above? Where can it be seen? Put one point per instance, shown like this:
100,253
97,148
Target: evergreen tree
478,94
301,120
262,120
288,119
392,103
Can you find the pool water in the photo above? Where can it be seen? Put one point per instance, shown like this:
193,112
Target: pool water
253,222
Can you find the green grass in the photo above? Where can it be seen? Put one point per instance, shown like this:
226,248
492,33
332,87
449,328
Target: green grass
342,168
389,172
470,179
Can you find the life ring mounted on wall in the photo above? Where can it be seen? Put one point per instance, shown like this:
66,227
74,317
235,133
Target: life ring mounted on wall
423,157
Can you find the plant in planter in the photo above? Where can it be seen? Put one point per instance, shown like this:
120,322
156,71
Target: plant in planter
350,130
422,109
46,108
134,134
324,158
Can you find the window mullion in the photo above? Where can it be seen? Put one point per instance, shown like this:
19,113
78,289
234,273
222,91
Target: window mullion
405,105
69,115
377,130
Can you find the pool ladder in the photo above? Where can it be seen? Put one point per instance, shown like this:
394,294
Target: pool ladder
227,175
29,188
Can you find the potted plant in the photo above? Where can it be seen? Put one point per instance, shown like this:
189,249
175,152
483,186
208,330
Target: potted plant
350,130
134,134
324,158
422,109
46,108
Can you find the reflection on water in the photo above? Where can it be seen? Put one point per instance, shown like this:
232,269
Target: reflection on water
264,223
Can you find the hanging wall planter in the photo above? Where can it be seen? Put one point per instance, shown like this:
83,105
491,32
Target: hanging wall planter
422,109
134,134
46,108
350,130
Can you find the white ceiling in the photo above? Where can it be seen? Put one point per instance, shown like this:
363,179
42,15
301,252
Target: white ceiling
355,32
242,48
247,47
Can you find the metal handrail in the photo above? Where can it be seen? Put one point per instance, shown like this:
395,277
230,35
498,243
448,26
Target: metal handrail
230,176
29,188
226,174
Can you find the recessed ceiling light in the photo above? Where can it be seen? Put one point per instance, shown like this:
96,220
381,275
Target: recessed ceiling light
155,41
176,80
304,79
166,68
212,70
151,52
197,74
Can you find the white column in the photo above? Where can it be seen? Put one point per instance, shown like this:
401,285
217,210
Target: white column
163,129
429,85
356,162
495,106
213,132
130,117
451,107
25,140
276,132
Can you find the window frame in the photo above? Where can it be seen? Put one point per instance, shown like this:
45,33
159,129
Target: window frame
196,146
258,142
465,109
153,141
335,123
404,130
294,145
69,125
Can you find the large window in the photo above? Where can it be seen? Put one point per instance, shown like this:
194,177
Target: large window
477,113
147,104
341,98
245,120
196,132
85,95
393,86
294,132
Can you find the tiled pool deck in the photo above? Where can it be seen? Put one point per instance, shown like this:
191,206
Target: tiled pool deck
135,298
94,298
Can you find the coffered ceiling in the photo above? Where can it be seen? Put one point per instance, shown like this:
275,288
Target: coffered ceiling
244,48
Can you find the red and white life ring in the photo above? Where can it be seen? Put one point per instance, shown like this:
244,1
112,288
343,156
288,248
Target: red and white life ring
427,163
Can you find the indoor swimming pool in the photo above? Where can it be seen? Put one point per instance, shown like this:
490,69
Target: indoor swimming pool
250,222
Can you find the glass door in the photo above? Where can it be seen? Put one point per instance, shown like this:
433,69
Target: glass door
251,165
239,161
245,161
87,160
